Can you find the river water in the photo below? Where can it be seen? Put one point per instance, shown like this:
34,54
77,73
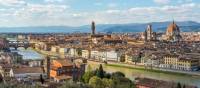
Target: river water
28,54
130,73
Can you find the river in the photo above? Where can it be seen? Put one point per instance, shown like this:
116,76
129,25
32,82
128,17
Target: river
130,73
28,54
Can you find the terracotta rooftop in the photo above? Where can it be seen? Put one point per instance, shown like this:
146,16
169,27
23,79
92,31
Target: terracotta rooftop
172,28
65,62
22,70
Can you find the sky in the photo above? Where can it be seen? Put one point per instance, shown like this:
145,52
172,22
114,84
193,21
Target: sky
19,13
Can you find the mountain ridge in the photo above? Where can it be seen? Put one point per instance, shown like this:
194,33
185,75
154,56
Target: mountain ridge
185,26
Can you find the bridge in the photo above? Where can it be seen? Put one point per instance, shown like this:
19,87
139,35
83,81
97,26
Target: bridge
18,43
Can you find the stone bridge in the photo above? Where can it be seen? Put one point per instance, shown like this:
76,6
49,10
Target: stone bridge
19,43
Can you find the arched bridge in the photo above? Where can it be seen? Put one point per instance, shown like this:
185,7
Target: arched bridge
18,43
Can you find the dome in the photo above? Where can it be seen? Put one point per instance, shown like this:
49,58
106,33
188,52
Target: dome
173,28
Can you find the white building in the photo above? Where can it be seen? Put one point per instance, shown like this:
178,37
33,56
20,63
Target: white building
85,54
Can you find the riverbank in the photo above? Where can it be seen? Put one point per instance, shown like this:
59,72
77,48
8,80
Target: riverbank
133,73
165,71
136,67
45,53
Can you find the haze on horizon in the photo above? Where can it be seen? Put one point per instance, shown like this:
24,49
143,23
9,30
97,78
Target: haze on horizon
18,13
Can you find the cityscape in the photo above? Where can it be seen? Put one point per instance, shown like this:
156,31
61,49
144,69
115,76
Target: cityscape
60,44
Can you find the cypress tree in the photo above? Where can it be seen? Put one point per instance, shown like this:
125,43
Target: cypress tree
100,72
178,85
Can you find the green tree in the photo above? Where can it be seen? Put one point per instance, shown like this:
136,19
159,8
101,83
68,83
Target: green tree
70,84
107,75
122,58
184,86
108,83
86,77
122,82
178,85
117,74
79,51
100,72
89,68
96,82
41,79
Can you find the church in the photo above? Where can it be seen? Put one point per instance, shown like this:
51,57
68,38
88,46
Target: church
172,33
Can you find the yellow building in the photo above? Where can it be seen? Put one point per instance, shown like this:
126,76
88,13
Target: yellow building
62,50
55,49
180,62
128,59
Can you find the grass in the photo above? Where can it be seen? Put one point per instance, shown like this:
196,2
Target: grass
151,70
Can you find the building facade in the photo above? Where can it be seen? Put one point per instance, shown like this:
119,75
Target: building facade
180,63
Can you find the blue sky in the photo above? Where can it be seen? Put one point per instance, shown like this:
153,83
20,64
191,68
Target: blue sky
81,12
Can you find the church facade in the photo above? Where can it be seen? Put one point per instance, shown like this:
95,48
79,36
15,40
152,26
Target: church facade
172,33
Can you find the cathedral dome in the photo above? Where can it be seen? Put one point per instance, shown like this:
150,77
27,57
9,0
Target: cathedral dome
172,28
173,32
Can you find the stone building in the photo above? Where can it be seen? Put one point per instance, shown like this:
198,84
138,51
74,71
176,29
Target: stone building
172,33
149,35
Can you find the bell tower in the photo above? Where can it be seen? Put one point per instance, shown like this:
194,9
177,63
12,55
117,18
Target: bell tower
93,28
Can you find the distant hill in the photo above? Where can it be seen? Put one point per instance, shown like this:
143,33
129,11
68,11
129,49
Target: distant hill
185,26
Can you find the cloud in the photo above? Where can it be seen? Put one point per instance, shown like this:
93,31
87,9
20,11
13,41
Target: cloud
43,10
113,11
147,14
162,1
184,1
42,14
12,2
112,5
53,1
98,4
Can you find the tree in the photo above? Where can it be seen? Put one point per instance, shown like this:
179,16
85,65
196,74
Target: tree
184,86
86,77
122,58
100,72
117,74
70,84
1,78
89,68
107,75
89,74
96,82
41,79
122,82
79,51
108,83
178,85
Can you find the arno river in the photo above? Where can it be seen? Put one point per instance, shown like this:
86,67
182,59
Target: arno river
130,73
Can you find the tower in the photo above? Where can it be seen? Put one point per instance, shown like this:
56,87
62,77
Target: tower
145,35
149,32
154,36
93,28
48,63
